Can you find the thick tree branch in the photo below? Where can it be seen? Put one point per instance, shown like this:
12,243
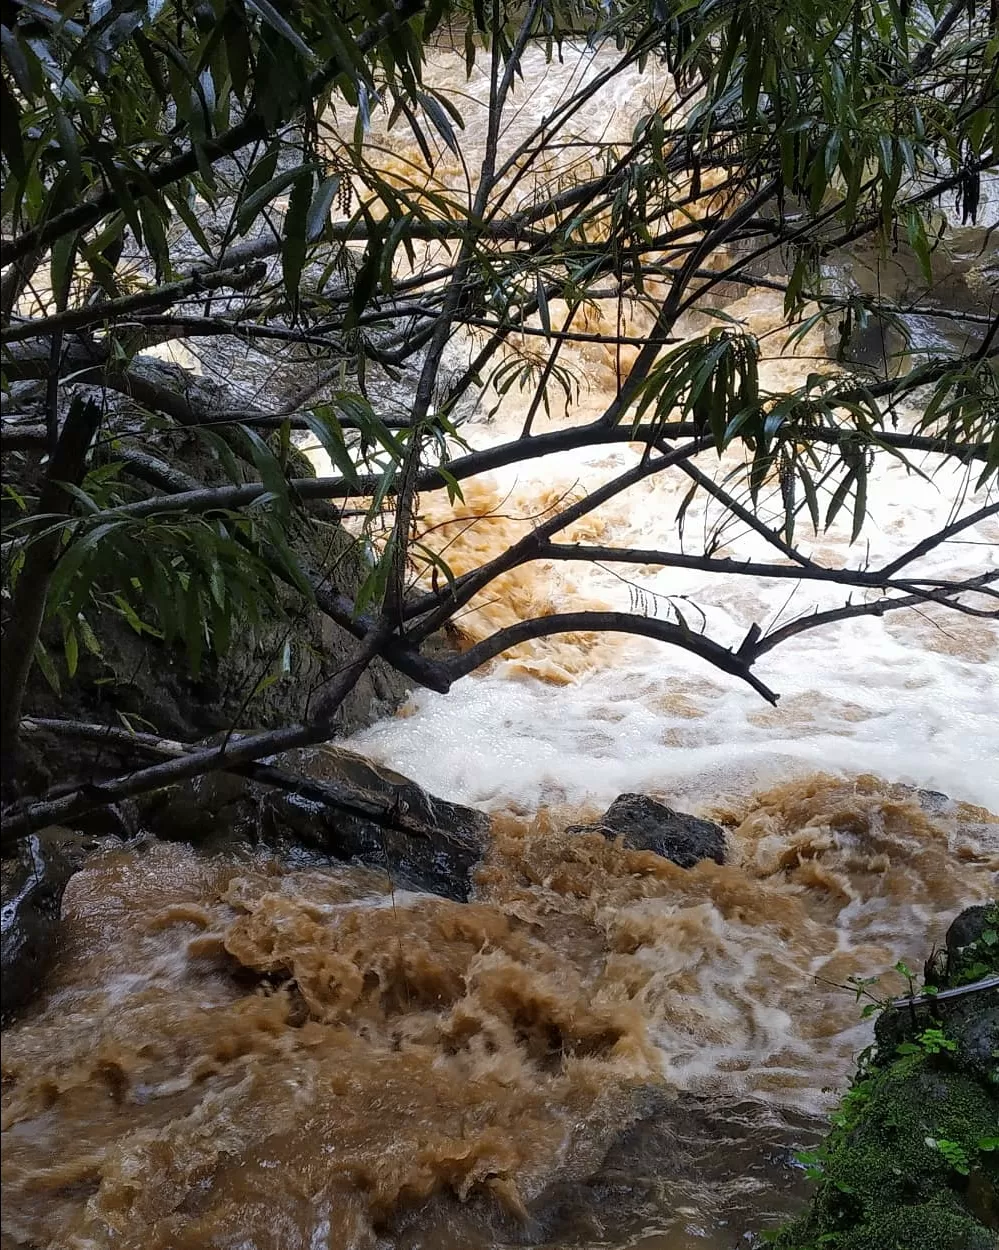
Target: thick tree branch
877,607
457,595
607,622
934,540
879,579
538,445
76,319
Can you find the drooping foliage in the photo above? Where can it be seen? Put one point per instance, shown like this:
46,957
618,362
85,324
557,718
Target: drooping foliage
217,173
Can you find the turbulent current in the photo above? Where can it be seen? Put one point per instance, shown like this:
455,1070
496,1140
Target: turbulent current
600,1049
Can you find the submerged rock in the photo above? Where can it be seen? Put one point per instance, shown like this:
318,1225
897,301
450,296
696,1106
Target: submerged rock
33,884
650,1158
646,825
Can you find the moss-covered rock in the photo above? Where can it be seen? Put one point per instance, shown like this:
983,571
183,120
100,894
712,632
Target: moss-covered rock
912,1162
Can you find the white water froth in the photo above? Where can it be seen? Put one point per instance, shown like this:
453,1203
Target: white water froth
883,695
913,696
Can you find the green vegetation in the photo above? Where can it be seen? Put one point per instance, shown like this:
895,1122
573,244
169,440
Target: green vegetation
911,1162
223,173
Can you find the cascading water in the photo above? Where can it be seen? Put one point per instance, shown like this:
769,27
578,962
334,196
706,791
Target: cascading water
237,1053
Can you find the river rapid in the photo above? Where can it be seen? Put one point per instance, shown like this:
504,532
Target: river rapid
600,1049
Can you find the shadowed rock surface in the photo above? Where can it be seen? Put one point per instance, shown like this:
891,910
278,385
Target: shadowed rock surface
344,806
33,884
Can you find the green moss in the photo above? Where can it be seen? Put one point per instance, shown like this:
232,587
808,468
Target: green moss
928,1226
911,1163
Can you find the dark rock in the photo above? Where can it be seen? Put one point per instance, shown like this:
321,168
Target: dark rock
935,802
647,825
355,809
335,802
973,1023
32,886
698,1153
967,928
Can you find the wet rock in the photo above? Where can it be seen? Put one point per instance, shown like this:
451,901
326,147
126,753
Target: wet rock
974,1025
338,803
647,825
713,1160
967,928
32,886
385,820
908,1162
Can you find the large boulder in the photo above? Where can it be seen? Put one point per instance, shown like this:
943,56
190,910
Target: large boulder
335,802
646,825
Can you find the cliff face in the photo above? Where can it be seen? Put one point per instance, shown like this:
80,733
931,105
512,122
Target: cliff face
912,1160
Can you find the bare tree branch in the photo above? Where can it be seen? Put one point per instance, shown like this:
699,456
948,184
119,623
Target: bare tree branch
608,622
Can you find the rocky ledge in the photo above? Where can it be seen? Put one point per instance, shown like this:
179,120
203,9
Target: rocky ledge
912,1160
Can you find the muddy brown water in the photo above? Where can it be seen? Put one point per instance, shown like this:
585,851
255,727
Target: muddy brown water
599,1049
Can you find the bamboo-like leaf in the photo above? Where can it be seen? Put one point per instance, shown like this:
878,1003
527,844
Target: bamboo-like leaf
322,422
839,497
71,649
543,310
61,264
273,18
46,667
441,121
860,499
319,209
72,559
251,206
295,242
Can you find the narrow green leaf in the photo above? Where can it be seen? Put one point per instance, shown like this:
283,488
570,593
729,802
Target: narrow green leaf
273,18
323,423
194,626
839,497
271,474
178,198
88,637
543,310
71,561
319,209
252,205
61,266
295,244
860,499
71,649
439,118
69,146
46,667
